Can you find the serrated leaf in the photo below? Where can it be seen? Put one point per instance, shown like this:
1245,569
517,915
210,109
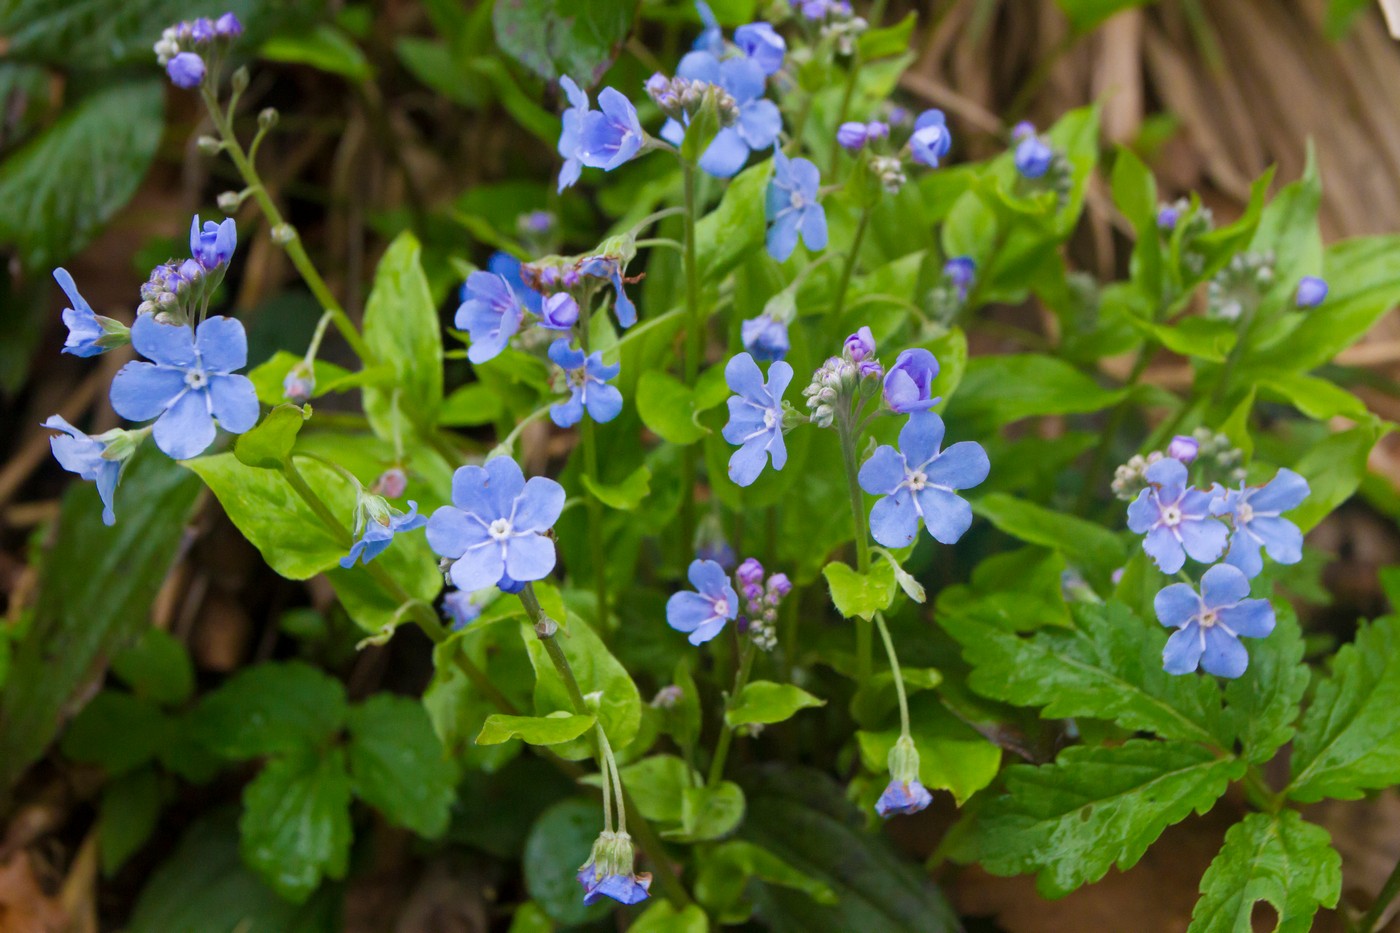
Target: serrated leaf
1278,858
1349,740
1107,666
272,708
626,495
398,766
554,729
270,443
952,755
1262,705
860,595
767,702
295,826
1094,808
402,329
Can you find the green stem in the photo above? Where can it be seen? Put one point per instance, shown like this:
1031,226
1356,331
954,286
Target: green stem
693,352
314,347
514,434
864,641
1370,921
726,734
1259,792
596,539
849,268
1115,422
894,669
852,72
295,251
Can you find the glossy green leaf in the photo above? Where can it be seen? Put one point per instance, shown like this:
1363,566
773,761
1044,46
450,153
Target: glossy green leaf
271,442
668,408
402,329
952,755
597,671
398,766
1002,389
271,708
554,729
558,844
763,701
471,405
725,873
1334,468
734,229
1279,858
1317,398
625,495
656,785
296,821
1086,544
709,812
860,595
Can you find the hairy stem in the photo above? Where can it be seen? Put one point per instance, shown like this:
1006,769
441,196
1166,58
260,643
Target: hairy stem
864,641
898,675
839,303
695,333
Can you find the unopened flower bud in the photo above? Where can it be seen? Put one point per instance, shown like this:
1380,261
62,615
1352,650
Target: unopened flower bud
208,145
267,118
239,81
391,483
750,572
229,201
1183,448
283,233
300,384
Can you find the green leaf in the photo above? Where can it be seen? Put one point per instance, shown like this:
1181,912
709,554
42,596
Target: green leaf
1094,808
1278,858
1236,426
855,594
117,731
296,822
1288,228
726,870
471,405
157,668
1085,15
62,187
271,442
667,407
626,495
888,40
558,37
554,729
1349,740
661,917
735,228
1334,468
402,330
1262,705
398,766
1203,338
1319,399
768,702
126,817
701,131
597,671
530,917
1089,546
271,708
1001,389
1107,666
709,812
558,844
96,588
952,755
656,785
323,47
1135,194
268,377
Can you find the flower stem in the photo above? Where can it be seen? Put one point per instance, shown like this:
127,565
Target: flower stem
596,539
726,734
864,641
839,302
852,72
894,669
693,346
1370,921
295,251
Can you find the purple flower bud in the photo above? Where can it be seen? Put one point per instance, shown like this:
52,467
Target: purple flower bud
1022,130
909,383
750,572
657,85
852,135
860,345
870,369
1167,216
875,129
1033,157
391,483
186,70
900,115
559,311
1311,291
202,30
1184,448
960,271
779,585
228,26
540,222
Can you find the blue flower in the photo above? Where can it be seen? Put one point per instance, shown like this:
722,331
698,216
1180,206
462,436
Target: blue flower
711,38
759,121
571,133
1209,626
920,481
214,245
378,523
1176,519
497,525
909,382
703,613
1033,157
903,797
1255,514
508,267
859,346
559,312
609,871
460,610
610,135
961,270
755,417
86,456
190,383
765,337
1311,292
491,313
612,269
931,139
186,70
763,46
89,333
1167,216
588,386
228,26
202,29
793,207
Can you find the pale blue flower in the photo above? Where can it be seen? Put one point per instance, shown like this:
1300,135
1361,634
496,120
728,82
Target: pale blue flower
589,390
903,797
213,245
1175,518
792,207
86,456
509,268
186,70
491,313
908,385
765,337
930,140
1033,157
571,132
755,417
611,135
1209,625
919,482
703,613
89,333
380,526
762,45
1311,292
1255,516
759,121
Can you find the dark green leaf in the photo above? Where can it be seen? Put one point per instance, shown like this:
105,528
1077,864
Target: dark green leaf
1089,546
324,47
398,766
296,822
272,708
661,917
597,671
117,731
557,37
558,844
667,406
1262,705
709,812
126,817
157,667
1002,389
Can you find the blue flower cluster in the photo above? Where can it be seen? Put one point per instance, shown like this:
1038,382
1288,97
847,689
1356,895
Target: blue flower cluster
183,48
1179,520
702,613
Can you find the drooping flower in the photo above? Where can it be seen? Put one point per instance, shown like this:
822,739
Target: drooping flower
920,482
1176,518
186,70
765,337
704,612
89,333
299,385
755,417
609,871
213,245
793,207
762,44
571,132
1184,447
93,458
508,267
497,524
460,610
1033,157
931,140
613,268
191,382
559,311
588,386
1311,292
758,123
902,798
491,313
1255,515
909,382
1209,625
611,135
376,523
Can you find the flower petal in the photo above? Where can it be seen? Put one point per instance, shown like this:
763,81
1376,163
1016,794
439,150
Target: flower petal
569,412
186,429
1285,491
782,235
1170,474
894,521
141,391
451,532
686,611
222,344
1161,545
961,466
1224,656
529,557
746,463
921,437
169,344
1143,512
1252,618
725,154
539,505
882,472
743,376
1182,655
946,516
1204,540
1223,586
759,123
234,402
814,227
709,578
1244,553
478,567
1281,538
1176,605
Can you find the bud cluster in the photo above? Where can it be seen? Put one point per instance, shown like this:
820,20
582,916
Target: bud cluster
890,170
1218,456
681,98
195,35
1129,478
1236,290
761,600
830,384
843,30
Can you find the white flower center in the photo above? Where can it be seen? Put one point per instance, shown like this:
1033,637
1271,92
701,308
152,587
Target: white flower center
1171,516
797,201
499,529
1207,618
196,379
917,480
770,418
1245,513
721,607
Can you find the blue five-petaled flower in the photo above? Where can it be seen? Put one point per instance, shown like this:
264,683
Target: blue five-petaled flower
930,140
190,383
86,328
759,121
588,386
1254,513
491,312
703,613
920,481
379,531
610,135
213,244
85,455
793,207
1209,625
755,417
496,526
1176,519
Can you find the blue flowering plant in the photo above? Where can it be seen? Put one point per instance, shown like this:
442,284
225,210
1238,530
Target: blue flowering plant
744,471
